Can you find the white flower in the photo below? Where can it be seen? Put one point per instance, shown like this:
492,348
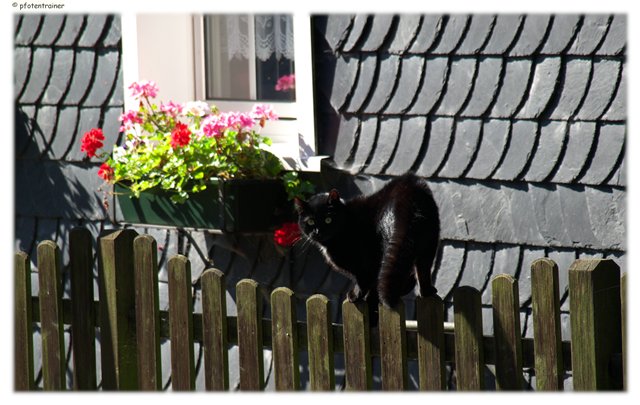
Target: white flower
196,108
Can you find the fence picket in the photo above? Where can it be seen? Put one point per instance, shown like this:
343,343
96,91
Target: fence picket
431,350
117,305
506,327
147,313
284,338
249,306
214,330
82,324
469,352
23,333
320,344
52,330
547,338
594,293
183,376
623,315
393,347
357,353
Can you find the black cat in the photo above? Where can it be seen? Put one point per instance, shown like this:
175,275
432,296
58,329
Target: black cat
383,242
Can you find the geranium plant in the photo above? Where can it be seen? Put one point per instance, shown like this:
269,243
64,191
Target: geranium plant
180,148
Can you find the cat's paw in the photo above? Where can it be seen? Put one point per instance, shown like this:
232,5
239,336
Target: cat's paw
354,295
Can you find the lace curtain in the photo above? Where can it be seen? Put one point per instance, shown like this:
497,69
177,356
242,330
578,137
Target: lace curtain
273,35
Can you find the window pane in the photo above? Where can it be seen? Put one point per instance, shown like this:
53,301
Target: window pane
249,57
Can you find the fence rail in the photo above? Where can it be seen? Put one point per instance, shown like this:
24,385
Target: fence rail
132,326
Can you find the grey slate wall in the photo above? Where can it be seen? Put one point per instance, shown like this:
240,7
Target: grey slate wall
518,123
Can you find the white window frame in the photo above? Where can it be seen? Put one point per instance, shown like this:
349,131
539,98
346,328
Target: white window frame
149,52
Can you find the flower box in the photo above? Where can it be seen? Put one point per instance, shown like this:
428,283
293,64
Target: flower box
226,205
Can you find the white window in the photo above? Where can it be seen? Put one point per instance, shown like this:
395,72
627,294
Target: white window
232,61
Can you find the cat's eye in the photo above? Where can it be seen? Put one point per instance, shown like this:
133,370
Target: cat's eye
310,222
327,220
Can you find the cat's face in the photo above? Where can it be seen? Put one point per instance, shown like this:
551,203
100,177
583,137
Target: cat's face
321,217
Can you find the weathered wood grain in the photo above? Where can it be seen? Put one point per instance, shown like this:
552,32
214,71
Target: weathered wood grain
23,324
393,347
147,313
506,330
320,344
183,374
431,349
249,306
547,338
214,331
357,354
284,340
469,352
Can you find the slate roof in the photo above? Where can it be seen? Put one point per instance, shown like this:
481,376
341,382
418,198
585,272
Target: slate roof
518,123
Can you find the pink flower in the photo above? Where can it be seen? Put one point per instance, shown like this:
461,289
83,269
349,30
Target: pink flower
196,108
286,82
171,108
238,120
213,126
129,119
144,88
262,113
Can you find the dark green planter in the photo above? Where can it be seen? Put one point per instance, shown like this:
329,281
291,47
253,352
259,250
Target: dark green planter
227,205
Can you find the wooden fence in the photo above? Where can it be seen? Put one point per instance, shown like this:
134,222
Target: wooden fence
131,327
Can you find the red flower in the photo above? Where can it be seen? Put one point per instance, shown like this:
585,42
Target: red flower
287,235
105,172
180,136
92,141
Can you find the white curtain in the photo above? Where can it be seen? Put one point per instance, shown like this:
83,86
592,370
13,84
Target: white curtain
273,35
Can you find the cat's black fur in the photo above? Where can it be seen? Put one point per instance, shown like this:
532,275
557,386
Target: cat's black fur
383,242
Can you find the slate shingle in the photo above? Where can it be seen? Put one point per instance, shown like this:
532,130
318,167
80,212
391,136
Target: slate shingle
117,95
465,144
459,85
412,135
619,176
533,31
406,31
93,30
525,227
388,135
550,144
579,141
477,266
72,27
592,31
28,29
336,29
495,134
41,61
562,31
548,212
504,34
364,84
359,23
485,87
347,137
545,80
616,39
523,137
564,258
617,111
430,29
452,261
576,216
66,127
453,34
505,261
611,139
104,78
51,26
111,126
21,59
60,76
408,83
383,88
574,86
114,35
513,88
477,35
380,26
433,82
82,73
46,118
439,138
601,89
607,222
366,142
346,71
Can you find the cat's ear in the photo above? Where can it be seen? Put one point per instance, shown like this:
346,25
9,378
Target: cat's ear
334,196
299,204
